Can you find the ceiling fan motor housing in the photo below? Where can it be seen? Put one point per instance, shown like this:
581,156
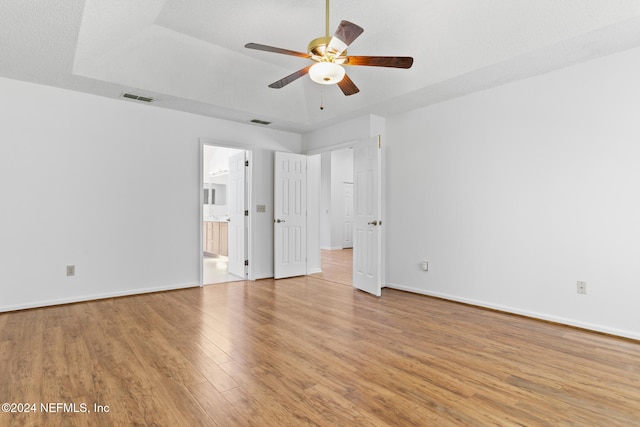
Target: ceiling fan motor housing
318,50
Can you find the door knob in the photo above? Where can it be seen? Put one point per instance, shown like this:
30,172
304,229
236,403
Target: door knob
279,220
374,222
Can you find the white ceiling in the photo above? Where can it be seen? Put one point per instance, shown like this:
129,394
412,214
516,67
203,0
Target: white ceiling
189,55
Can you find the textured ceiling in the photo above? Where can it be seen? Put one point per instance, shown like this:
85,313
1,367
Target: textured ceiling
189,54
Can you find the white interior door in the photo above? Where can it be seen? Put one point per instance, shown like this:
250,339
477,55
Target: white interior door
290,215
347,219
367,216
237,224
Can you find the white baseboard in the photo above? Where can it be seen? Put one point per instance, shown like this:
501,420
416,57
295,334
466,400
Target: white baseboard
46,303
536,315
314,271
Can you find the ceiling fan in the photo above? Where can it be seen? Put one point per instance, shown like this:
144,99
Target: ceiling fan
330,54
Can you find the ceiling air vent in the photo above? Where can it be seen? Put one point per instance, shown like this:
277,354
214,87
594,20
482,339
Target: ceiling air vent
137,97
260,122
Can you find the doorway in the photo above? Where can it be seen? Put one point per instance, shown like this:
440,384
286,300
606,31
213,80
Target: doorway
336,216
224,223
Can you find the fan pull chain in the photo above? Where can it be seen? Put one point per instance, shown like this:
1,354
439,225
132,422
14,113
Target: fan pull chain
321,103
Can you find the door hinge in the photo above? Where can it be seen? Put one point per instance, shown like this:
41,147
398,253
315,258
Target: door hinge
246,213
246,162
379,143
246,262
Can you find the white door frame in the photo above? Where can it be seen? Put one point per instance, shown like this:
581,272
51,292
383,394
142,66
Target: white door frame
249,198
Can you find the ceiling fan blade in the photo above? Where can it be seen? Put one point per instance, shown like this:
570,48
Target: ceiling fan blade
380,61
345,34
266,48
290,78
348,32
347,86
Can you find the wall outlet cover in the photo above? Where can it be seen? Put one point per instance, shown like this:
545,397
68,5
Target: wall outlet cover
581,287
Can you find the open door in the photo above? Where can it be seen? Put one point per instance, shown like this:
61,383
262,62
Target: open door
237,223
290,215
367,271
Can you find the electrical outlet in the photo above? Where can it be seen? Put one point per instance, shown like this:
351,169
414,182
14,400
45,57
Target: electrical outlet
582,288
71,270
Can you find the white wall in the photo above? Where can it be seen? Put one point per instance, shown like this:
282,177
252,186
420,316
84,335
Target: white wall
78,174
515,193
343,134
340,133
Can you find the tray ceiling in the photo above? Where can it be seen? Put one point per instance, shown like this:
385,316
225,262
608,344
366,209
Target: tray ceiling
190,55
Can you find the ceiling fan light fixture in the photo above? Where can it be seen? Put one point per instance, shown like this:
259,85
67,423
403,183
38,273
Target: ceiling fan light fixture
326,73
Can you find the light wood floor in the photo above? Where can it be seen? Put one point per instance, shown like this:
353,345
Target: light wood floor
307,351
337,266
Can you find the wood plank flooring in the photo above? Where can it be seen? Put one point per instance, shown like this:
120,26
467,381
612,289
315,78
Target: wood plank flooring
307,351
337,266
